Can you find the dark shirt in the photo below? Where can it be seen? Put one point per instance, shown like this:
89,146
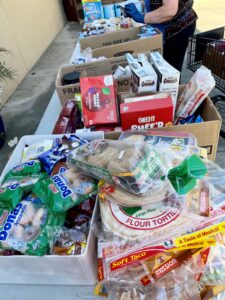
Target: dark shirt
185,16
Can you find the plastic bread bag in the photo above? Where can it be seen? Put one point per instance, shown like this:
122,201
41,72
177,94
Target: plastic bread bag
200,85
136,167
65,190
168,139
172,146
29,227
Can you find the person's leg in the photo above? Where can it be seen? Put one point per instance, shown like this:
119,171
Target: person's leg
176,46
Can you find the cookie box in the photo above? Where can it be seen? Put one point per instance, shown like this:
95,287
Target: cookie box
50,269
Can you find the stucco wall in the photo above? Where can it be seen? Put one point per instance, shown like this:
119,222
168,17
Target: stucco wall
27,27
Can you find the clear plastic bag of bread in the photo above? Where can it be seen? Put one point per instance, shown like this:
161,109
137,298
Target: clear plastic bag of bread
136,167
173,147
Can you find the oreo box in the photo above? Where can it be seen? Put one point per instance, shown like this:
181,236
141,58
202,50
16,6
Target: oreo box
146,112
99,103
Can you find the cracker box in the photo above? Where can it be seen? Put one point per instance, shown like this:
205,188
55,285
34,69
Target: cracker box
93,10
168,76
99,104
142,113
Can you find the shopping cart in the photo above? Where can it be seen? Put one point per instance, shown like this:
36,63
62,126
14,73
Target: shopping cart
208,49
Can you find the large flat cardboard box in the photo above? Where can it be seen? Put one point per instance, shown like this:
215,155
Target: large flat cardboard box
207,133
109,66
117,43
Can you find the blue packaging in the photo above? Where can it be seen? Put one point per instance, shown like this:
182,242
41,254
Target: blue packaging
191,119
93,10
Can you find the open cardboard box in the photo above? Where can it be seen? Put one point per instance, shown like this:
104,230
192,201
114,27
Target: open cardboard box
108,66
207,132
117,43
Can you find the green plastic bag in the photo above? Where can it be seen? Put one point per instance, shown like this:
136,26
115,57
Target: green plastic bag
29,227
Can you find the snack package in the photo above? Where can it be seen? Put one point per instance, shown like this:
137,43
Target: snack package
69,242
144,77
33,151
99,103
79,217
63,191
60,152
29,227
92,10
24,169
198,88
168,76
17,186
160,138
121,162
146,112
136,167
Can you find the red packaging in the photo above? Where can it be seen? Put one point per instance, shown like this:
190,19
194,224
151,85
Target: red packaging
68,109
99,104
63,125
147,114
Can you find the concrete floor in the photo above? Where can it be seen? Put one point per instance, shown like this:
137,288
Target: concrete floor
24,110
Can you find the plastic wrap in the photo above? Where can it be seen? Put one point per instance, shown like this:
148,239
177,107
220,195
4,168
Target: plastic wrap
136,167
200,85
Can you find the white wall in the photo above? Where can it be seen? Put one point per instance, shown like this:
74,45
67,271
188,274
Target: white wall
27,27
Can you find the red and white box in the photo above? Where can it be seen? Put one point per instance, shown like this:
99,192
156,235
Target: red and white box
141,113
99,105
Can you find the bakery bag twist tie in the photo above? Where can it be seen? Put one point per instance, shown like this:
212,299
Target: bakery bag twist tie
184,177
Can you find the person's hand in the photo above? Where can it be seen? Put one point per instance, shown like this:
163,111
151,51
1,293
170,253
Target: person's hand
132,12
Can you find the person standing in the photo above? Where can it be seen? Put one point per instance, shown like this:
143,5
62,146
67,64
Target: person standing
175,18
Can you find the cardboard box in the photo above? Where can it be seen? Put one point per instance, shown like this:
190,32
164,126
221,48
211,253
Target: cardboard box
168,76
99,103
109,66
118,43
144,114
207,133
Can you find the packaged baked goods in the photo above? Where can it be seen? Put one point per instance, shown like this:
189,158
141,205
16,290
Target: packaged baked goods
60,152
200,85
69,242
136,167
171,139
126,164
63,191
33,151
29,227
28,168
15,187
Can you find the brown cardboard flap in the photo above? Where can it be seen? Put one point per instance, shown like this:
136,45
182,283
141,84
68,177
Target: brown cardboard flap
153,43
110,38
